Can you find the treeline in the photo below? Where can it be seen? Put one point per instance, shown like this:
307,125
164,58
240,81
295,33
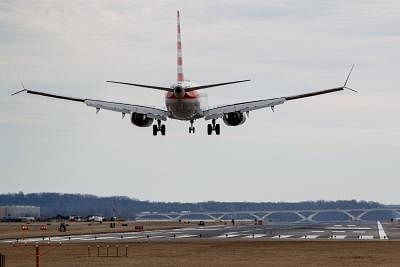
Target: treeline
53,204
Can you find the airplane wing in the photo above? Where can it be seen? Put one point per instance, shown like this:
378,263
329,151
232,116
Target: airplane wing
151,112
219,112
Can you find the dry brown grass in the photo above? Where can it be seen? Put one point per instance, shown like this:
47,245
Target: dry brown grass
217,253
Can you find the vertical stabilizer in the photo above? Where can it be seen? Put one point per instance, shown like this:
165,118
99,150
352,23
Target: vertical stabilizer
179,62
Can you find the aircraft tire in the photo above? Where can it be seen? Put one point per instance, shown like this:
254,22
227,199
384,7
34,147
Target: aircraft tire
162,129
155,130
217,129
209,129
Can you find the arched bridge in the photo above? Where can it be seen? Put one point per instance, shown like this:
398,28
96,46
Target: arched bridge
280,215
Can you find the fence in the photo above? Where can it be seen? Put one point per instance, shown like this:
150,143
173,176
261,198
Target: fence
108,251
2,260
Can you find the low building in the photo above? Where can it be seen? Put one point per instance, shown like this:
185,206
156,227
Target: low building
15,212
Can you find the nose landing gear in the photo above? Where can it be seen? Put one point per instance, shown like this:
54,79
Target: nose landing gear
213,127
159,127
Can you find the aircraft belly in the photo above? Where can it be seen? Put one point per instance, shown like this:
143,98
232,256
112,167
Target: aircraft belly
183,109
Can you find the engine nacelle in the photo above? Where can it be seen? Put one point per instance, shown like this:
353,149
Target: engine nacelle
141,120
234,118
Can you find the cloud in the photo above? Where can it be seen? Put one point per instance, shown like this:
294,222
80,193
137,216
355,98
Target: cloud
286,47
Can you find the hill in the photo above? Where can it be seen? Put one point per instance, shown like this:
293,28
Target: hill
53,204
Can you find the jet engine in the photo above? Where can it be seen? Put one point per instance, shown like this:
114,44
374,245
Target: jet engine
234,118
141,120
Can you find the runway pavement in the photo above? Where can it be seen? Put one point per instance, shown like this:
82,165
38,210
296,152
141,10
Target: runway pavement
337,231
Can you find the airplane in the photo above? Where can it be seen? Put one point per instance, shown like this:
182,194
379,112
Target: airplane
184,102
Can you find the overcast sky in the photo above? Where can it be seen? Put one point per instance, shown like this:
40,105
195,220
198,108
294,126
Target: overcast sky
338,146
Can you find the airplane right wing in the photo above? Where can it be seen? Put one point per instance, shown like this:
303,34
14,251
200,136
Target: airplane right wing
155,113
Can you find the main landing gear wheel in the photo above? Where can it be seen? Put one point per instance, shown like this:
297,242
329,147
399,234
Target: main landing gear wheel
191,128
158,127
213,127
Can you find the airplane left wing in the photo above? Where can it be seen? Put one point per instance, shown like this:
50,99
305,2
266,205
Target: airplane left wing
155,113
219,112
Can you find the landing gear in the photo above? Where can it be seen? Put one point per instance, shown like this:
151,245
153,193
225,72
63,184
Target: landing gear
213,127
191,128
159,127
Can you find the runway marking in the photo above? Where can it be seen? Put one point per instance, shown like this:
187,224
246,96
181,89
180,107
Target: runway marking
348,228
351,225
254,236
185,236
318,231
212,229
29,240
63,239
382,234
367,237
8,241
339,237
156,236
339,231
132,237
338,225
227,235
309,236
98,238
282,236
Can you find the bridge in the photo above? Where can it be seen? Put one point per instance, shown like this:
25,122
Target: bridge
279,215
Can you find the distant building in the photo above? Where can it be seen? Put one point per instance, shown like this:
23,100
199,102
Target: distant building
14,212
96,219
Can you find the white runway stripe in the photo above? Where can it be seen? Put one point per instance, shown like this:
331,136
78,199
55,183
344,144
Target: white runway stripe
254,236
132,237
318,231
185,236
9,241
309,236
339,237
381,231
157,236
228,235
282,236
99,238
348,228
366,237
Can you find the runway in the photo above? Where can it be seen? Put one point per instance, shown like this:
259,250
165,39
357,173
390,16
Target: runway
344,231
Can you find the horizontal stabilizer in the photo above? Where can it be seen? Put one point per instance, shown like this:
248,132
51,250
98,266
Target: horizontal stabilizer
213,85
145,86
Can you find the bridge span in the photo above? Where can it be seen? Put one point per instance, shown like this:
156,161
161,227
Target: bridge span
279,215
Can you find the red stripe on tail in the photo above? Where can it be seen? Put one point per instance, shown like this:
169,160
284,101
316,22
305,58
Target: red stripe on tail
179,61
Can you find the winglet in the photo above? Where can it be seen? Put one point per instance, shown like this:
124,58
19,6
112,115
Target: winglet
23,87
20,91
347,79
